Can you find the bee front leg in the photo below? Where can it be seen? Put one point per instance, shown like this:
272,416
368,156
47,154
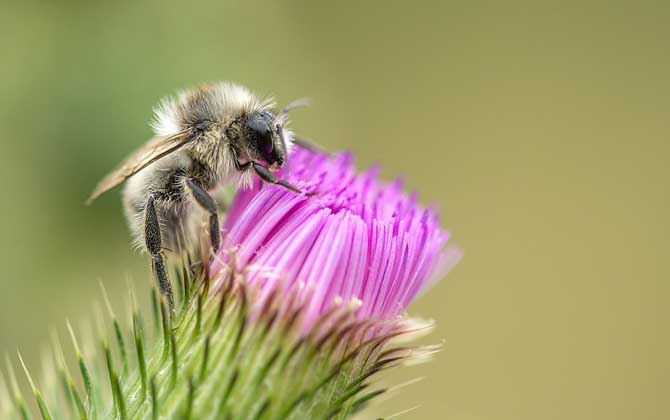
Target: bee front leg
268,176
152,235
206,201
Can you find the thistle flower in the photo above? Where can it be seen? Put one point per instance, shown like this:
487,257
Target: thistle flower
294,316
350,238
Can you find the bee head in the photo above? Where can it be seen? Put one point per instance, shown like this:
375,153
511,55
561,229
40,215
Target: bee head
265,139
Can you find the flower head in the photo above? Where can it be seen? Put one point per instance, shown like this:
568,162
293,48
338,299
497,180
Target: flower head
352,240
268,337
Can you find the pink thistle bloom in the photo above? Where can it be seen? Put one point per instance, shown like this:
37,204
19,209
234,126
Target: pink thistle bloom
354,240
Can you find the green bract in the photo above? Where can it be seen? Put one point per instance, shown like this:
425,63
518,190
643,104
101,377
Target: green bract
217,359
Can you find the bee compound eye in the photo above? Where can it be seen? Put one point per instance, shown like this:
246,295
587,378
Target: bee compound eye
259,126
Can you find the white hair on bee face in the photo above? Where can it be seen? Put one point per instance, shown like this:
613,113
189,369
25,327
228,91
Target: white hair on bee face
164,122
207,103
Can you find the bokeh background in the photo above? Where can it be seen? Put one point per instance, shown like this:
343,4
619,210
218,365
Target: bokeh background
539,128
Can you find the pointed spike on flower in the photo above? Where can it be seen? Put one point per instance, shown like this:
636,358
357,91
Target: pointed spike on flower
134,307
421,356
174,359
166,321
139,350
75,343
41,404
186,279
362,402
58,354
189,400
155,311
120,341
111,373
3,386
290,408
334,411
121,402
5,397
350,393
223,404
50,380
154,398
105,298
83,367
403,412
262,410
6,403
206,280
263,372
69,388
180,285
205,360
238,337
220,310
88,336
413,329
79,402
98,322
19,401
67,383
198,317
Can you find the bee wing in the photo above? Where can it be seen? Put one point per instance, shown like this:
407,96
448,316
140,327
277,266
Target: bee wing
155,149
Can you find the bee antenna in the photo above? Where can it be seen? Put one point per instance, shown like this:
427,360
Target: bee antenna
280,131
298,103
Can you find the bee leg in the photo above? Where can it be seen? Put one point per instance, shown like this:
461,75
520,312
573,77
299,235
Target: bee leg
152,234
207,202
268,176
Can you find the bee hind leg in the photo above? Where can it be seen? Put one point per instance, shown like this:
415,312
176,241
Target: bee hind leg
206,201
152,234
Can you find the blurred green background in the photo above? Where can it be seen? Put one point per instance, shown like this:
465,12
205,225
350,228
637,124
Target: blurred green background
541,130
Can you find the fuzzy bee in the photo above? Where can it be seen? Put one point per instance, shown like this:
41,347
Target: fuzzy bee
213,136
